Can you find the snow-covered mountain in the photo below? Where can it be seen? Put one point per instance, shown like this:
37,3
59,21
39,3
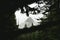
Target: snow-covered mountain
22,20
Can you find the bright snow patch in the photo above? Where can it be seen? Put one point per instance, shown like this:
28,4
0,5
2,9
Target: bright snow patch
22,20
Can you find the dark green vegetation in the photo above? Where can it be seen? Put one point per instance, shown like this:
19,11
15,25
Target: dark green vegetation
49,30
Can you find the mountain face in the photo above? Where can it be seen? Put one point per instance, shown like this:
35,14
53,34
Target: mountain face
34,16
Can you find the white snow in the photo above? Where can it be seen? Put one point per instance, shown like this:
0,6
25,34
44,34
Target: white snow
32,5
